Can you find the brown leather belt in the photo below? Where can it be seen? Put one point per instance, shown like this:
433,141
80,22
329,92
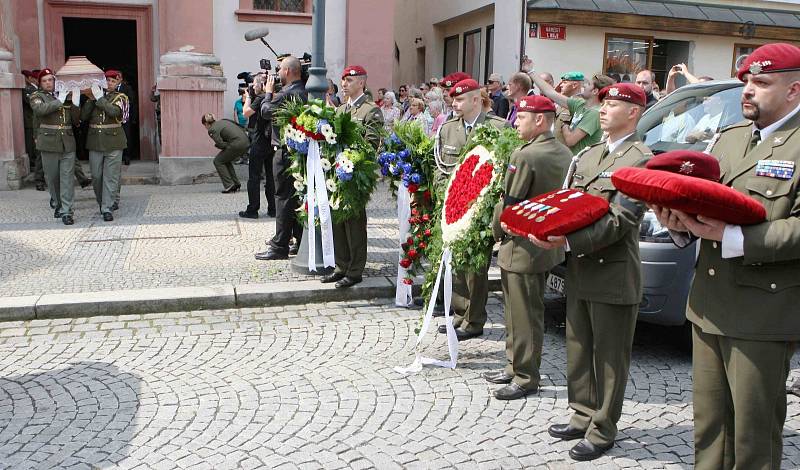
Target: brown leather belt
52,126
105,126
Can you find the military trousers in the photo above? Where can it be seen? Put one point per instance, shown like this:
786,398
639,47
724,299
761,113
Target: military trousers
105,176
523,304
470,293
260,163
739,390
223,162
80,175
35,159
350,245
286,203
599,342
59,173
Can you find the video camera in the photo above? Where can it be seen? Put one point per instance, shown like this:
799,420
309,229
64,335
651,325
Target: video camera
266,66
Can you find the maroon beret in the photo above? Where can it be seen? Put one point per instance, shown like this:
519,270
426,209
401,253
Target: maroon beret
535,104
454,78
464,86
43,73
354,71
113,74
771,58
687,162
27,73
624,92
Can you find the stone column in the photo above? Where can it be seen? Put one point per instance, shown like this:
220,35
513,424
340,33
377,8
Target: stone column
13,159
191,84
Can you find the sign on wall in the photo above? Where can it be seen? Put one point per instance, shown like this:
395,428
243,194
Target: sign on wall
533,29
557,32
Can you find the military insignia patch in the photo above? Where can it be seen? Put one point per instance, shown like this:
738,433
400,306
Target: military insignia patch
523,104
686,168
780,169
37,101
458,89
758,67
512,168
613,92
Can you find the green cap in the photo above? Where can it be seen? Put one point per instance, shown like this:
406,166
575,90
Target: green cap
573,76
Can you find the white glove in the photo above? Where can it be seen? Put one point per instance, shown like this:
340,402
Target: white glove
76,96
61,96
97,92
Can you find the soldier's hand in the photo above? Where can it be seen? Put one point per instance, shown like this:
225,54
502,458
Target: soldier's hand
551,243
62,96
527,64
97,92
509,231
703,227
269,86
668,218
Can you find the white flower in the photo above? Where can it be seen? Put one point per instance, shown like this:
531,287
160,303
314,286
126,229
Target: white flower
326,165
334,203
331,184
316,109
327,130
301,179
331,140
298,185
348,166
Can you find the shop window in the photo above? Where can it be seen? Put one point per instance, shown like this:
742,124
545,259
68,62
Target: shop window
740,53
472,53
489,51
450,55
626,56
275,11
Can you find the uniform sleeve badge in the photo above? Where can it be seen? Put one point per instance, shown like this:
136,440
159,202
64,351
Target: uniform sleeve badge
512,168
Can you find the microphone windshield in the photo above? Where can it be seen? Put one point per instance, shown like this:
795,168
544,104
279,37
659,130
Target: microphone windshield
257,33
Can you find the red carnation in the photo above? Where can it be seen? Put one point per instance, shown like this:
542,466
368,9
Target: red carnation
426,218
408,281
414,212
412,188
412,253
405,263
422,245
410,241
427,232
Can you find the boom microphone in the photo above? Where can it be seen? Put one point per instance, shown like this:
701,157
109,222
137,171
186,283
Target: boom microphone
257,33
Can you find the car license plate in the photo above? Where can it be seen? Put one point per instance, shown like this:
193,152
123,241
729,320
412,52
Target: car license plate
555,283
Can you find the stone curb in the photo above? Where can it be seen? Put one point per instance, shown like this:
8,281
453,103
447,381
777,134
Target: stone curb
177,299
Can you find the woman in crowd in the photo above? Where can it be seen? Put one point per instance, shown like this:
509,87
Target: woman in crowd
436,110
390,110
232,141
416,110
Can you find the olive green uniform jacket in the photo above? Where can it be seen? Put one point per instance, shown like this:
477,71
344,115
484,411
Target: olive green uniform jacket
54,123
105,122
450,140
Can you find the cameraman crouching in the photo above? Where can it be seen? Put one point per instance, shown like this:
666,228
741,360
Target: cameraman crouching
261,153
286,202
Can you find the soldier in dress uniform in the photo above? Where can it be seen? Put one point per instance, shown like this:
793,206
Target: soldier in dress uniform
27,115
470,290
54,139
539,166
230,138
743,300
604,285
105,141
350,236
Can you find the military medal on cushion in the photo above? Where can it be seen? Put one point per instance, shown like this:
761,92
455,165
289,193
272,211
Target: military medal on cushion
555,213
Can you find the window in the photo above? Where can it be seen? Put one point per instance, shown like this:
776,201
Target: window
450,55
275,11
472,53
297,6
740,52
489,51
626,56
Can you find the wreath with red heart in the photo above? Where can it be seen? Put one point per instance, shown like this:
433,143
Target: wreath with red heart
466,192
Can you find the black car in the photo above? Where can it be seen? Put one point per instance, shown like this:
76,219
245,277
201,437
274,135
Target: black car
686,119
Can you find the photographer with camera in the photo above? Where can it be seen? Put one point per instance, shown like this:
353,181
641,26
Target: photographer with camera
261,152
286,202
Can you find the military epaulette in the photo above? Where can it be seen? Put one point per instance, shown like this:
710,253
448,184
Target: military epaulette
640,146
736,126
490,117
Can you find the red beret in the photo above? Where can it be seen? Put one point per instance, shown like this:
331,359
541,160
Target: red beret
771,58
354,71
687,162
113,74
27,73
454,78
43,73
464,86
556,213
535,104
624,92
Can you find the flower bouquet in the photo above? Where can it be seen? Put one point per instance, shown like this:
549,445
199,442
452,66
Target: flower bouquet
345,156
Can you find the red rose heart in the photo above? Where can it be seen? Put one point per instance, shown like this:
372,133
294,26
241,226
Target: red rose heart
466,187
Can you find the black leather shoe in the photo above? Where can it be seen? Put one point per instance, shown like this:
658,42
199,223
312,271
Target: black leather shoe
464,335
332,277
40,187
67,219
347,281
443,328
108,216
248,215
585,450
513,391
271,255
270,212
565,432
57,213
85,183
293,249
497,377
115,207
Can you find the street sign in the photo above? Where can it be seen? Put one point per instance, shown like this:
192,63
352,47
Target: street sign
533,29
556,32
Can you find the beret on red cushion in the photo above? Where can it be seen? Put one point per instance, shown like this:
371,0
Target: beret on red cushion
689,194
556,213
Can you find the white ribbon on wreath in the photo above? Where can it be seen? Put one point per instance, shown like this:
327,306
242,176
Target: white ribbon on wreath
445,268
318,198
403,296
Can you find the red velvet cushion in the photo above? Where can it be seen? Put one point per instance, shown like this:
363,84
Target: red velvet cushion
689,194
565,211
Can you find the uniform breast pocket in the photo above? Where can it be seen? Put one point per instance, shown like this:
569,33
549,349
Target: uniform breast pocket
773,193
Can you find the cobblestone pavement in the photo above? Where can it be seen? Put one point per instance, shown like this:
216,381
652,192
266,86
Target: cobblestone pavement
162,236
311,387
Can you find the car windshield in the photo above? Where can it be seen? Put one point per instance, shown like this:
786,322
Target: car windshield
689,117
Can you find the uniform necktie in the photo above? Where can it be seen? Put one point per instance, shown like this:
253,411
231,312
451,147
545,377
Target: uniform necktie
469,129
754,140
347,107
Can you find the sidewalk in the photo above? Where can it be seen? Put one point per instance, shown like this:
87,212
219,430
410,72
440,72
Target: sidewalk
163,237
